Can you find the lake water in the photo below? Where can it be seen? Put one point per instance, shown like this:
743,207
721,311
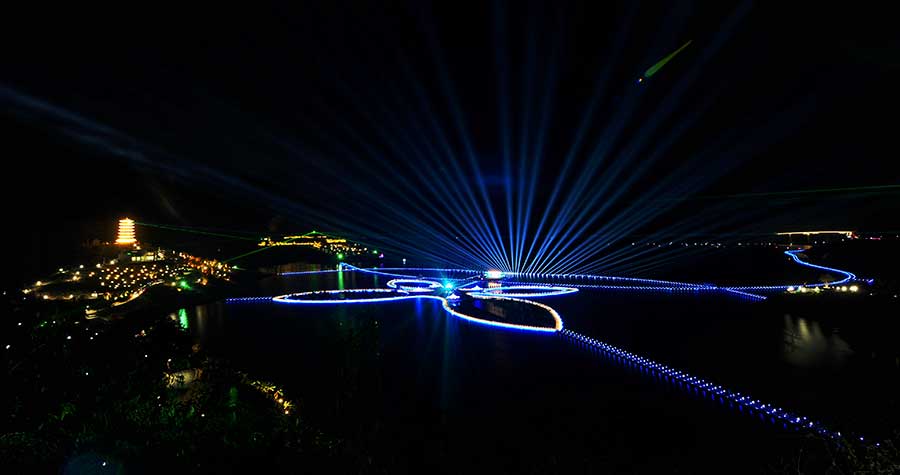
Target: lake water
425,387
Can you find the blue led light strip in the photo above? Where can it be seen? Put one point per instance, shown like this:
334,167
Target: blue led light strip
706,387
743,294
524,290
398,291
538,275
403,295
661,288
306,272
432,269
670,287
393,295
403,284
248,299
634,287
658,285
378,272
848,276
558,323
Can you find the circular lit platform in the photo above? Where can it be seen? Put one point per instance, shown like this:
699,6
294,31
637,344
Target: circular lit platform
414,285
525,291
343,296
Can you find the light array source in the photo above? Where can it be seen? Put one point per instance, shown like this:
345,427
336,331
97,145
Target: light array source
126,234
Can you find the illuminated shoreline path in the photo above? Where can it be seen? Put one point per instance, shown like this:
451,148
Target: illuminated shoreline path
450,292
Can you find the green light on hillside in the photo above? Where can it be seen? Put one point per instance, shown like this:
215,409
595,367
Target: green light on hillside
184,284
340,256
183,318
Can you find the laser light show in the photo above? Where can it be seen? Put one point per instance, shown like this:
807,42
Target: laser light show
451,237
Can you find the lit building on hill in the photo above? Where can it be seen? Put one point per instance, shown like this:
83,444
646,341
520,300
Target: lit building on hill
126,234
328,244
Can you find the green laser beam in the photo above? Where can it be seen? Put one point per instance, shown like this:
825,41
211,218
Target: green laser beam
208,233
801,192
194,231
659,64
269,247
327,235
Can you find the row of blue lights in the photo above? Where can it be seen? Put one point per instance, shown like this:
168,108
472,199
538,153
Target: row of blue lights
848,276
526,291
307,272
538,275
557,319
449,284
297,298
426,269
699,384
248,299
542,290
707,387
741,293
665,285
665,288
404,284
345,266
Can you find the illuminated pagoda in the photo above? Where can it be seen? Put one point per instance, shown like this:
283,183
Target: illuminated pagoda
126,234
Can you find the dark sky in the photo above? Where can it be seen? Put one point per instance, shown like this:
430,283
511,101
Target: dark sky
330,115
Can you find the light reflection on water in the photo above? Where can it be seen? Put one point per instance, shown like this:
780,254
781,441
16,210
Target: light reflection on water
806,345
801,363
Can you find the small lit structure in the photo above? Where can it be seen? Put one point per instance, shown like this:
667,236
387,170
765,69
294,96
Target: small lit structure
126,234
493,274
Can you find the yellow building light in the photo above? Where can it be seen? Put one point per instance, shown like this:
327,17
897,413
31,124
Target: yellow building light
126,232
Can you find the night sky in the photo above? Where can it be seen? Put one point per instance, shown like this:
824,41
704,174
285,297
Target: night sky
293,116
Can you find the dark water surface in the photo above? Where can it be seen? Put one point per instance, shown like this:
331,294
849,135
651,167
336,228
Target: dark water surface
423,386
